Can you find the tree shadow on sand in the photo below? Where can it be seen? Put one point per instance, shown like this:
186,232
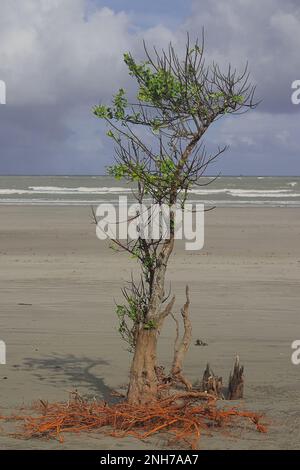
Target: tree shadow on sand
71,372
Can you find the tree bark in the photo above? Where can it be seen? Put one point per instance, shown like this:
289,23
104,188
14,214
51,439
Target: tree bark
143,379
143,383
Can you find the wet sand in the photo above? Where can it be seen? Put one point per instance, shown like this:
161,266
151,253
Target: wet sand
58,284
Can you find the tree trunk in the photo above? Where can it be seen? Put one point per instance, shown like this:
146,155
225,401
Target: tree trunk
143,383
143,380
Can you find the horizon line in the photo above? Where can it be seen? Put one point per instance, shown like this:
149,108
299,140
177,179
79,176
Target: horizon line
98,175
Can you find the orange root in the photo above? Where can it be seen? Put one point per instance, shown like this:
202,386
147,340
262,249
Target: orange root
184,418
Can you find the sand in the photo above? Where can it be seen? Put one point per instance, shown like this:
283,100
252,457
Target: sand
245,299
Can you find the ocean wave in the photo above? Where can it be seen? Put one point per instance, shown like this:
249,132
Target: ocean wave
60,190
80,189
15,191
262,193
254,193
52,191
204,192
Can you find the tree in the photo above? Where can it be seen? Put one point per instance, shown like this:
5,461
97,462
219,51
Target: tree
178,99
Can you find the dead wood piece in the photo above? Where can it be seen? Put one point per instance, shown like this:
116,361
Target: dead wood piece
236,381
182,345
211,383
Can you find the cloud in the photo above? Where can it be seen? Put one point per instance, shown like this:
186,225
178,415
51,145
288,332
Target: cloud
57,63
60,57
259,143
51,52
264,34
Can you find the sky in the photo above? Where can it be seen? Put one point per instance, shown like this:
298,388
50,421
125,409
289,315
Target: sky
58,58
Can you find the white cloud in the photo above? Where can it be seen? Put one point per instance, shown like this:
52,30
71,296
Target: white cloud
50,52
266,34
58,60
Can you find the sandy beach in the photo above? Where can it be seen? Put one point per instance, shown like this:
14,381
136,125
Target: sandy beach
58,284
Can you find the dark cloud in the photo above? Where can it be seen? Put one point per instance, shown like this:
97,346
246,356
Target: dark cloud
60,57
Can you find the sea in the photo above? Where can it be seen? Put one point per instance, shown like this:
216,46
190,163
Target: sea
225,191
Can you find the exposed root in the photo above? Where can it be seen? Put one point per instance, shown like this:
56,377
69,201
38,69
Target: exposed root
184,417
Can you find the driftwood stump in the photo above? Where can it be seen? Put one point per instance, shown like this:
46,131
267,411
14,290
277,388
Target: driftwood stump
236,381
182,345
211,383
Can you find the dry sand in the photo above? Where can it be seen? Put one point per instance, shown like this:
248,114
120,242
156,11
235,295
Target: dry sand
245,299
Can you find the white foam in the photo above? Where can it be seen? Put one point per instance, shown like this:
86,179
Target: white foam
80,189
62,190
14,191
254,193
83,195
204,192
263,193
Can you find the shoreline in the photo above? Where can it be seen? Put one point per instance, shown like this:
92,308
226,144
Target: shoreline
216,204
